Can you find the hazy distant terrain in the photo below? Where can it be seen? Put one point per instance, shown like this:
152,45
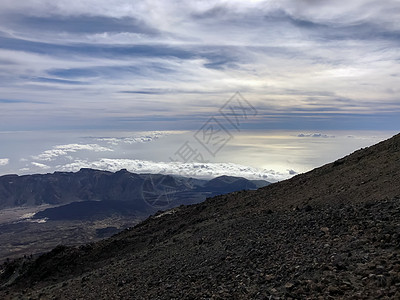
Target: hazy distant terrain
42,211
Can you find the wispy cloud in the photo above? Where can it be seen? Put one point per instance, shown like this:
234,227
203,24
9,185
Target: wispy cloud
41,166
63,150
150,137
92,63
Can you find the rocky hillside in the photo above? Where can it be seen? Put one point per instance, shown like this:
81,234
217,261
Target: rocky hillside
332,233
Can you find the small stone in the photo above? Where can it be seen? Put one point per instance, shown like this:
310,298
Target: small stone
325,230
269,277
289,285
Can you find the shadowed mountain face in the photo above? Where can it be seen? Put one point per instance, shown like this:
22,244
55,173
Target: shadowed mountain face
161,192
223,183
329,233
141,192
66,187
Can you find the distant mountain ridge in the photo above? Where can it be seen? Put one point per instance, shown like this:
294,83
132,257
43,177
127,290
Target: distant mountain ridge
146,191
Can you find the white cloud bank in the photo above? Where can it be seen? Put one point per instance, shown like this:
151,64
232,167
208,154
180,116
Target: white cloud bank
196,170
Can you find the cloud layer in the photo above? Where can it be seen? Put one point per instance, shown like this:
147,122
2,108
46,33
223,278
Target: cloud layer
196,170
157,65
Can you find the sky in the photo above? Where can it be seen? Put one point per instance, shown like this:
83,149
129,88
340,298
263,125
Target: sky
321,76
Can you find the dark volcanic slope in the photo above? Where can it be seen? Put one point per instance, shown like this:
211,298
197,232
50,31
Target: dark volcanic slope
330,233
367,174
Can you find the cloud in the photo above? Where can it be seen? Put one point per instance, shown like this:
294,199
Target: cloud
147,138
316,135
10,101
196,170
41,166
186,57
63,150
4,161
81,24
